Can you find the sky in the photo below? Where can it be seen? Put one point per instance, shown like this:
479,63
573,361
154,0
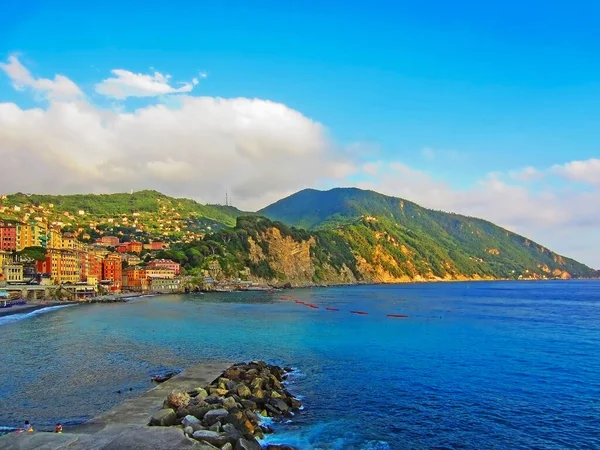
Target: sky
489,110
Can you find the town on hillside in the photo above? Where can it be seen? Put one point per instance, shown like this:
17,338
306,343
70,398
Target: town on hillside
35,254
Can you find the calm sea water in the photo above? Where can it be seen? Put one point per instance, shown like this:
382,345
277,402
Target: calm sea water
476,365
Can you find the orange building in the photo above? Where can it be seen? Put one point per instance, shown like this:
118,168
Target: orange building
112,269
130,247
8,237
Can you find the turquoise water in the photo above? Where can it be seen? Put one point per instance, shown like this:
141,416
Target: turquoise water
476,365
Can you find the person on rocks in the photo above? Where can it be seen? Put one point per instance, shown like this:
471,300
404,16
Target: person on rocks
27,427
58,428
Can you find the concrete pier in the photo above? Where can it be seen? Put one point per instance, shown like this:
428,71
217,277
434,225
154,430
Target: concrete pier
126,425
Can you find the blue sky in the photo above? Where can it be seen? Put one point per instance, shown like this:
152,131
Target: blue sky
454,91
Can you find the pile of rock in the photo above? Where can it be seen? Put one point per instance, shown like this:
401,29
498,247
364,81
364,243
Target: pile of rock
226,413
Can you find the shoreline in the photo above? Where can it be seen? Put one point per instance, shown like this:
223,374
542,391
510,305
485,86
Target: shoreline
25,309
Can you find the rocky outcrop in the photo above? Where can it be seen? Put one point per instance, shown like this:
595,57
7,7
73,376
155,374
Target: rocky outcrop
227,413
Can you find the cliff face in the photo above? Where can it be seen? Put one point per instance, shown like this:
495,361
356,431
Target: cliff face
374,256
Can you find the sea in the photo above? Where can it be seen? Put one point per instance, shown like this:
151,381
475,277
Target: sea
475,365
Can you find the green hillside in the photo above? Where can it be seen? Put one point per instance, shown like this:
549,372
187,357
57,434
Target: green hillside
153,213
419,240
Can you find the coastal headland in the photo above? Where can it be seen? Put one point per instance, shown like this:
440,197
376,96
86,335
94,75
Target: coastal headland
208,406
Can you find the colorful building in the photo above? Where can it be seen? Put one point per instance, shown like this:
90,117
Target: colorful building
165,264
108,241
130,247
112,270
8,237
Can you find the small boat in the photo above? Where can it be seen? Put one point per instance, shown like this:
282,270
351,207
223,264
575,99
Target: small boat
363,313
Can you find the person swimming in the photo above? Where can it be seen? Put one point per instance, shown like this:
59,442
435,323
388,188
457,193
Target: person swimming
58,428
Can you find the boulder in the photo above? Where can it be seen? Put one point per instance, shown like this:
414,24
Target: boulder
279,404
214,415
164,418
202,393
178,399
227,446
198,411
275,394
188,421
210,437
257,383
245,444
229,403
216,427
248,404
258,394
243,391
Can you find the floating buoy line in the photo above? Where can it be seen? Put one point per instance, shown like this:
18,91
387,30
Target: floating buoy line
328,308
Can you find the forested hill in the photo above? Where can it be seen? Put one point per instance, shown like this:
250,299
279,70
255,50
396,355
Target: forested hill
403,237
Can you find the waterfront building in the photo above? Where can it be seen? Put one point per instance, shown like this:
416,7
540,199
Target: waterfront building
165,285
112,270
13,273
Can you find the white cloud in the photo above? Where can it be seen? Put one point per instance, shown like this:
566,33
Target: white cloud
587,171
258,149
128,84
202,74
527,174
60,88
194,81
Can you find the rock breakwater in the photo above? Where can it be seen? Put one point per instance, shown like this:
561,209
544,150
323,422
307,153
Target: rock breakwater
226,414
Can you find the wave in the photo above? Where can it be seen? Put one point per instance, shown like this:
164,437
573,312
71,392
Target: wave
323,436
16,317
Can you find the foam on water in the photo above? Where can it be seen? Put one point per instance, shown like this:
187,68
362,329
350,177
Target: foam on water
28,315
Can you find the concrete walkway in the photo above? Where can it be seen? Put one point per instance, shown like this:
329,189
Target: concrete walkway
125,426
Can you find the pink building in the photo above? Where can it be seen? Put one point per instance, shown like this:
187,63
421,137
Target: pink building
165,264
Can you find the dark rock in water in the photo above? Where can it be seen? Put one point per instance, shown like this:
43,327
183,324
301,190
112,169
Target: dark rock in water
274,411
245,444
214,415
164,418
279,404
288,369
